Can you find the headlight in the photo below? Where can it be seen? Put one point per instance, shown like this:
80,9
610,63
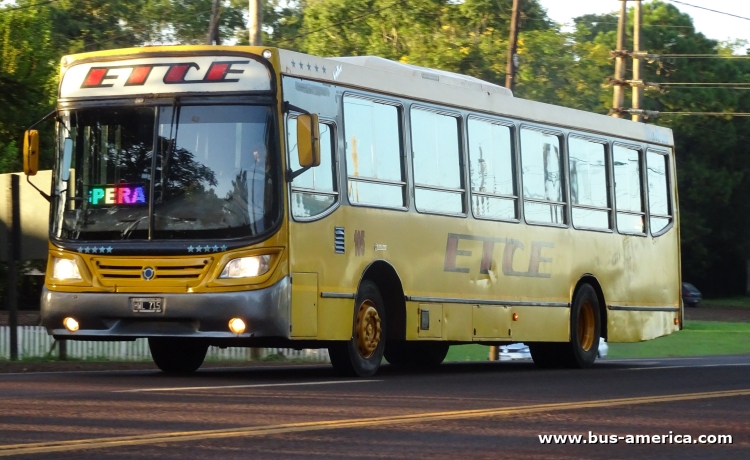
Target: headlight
65,269
246,267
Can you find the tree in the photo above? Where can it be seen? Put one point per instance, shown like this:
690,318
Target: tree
27,82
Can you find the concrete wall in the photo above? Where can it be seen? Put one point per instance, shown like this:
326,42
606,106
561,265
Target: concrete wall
34,216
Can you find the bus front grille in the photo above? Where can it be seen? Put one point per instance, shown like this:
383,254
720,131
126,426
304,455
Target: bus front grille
186,272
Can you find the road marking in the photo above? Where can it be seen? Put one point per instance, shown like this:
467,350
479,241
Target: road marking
183,436
259,385
682,367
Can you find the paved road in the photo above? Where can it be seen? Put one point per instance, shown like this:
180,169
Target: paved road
486,410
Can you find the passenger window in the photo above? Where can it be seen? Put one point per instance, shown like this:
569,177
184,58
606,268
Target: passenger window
373,153
588,184
628,199
314,191
437,162
493,184
542,177
658,191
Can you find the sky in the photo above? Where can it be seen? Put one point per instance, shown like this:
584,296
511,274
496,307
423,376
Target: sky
712,25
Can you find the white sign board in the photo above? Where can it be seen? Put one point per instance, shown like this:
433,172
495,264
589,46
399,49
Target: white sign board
159,75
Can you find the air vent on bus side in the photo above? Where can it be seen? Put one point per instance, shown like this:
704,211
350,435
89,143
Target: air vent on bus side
338,240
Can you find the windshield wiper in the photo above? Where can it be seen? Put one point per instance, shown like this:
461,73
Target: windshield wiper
129,229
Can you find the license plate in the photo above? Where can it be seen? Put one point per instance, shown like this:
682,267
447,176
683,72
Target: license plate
147,304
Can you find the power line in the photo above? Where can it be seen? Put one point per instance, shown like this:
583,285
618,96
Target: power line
703,56
714,87
702,83
709,114
709,9
656,114
610,23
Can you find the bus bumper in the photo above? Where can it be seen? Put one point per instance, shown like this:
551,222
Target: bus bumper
110,316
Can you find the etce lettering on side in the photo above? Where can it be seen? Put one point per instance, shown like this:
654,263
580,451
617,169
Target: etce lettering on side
453,264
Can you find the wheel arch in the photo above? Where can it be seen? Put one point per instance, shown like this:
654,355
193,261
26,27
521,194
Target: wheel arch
594,282
385,276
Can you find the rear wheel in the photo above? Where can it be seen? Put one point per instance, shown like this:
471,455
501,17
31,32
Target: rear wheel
177,355
362,354
585,331
585,328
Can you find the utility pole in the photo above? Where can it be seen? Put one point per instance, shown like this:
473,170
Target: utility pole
510,80
510,71
14,255
213,25
637,83
619,90
256,22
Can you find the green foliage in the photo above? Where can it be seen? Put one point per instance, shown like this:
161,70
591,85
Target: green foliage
10,159
470,37
27,79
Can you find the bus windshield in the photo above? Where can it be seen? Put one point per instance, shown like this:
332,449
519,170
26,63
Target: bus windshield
213,175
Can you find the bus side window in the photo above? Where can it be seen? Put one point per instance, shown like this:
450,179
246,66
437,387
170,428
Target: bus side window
373,153
493,183
628,198
542,177
437,162
314,191
588,184
658,191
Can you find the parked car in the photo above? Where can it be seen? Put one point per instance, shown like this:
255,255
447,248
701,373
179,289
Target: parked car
521,351
691,296
514,351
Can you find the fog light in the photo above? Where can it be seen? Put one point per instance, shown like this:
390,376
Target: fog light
70,324
236,325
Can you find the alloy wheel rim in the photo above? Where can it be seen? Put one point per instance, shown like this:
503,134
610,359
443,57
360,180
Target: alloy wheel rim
367,329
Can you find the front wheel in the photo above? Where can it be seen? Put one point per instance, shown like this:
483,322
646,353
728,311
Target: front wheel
361,355
178,356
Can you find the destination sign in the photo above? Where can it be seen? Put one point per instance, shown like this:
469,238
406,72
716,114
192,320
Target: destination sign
165,75
120,194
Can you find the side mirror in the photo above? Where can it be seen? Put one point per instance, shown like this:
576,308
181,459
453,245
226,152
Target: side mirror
31,152
308,140
67,155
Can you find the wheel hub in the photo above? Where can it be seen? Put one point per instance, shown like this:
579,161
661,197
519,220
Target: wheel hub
586,326
367,329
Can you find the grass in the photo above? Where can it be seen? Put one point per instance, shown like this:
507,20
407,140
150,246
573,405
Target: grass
468,353
741,302
698,338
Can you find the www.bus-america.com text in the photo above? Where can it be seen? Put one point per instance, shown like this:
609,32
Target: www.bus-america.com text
670,438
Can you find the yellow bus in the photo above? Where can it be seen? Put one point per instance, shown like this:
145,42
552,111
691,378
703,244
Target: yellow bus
258,197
